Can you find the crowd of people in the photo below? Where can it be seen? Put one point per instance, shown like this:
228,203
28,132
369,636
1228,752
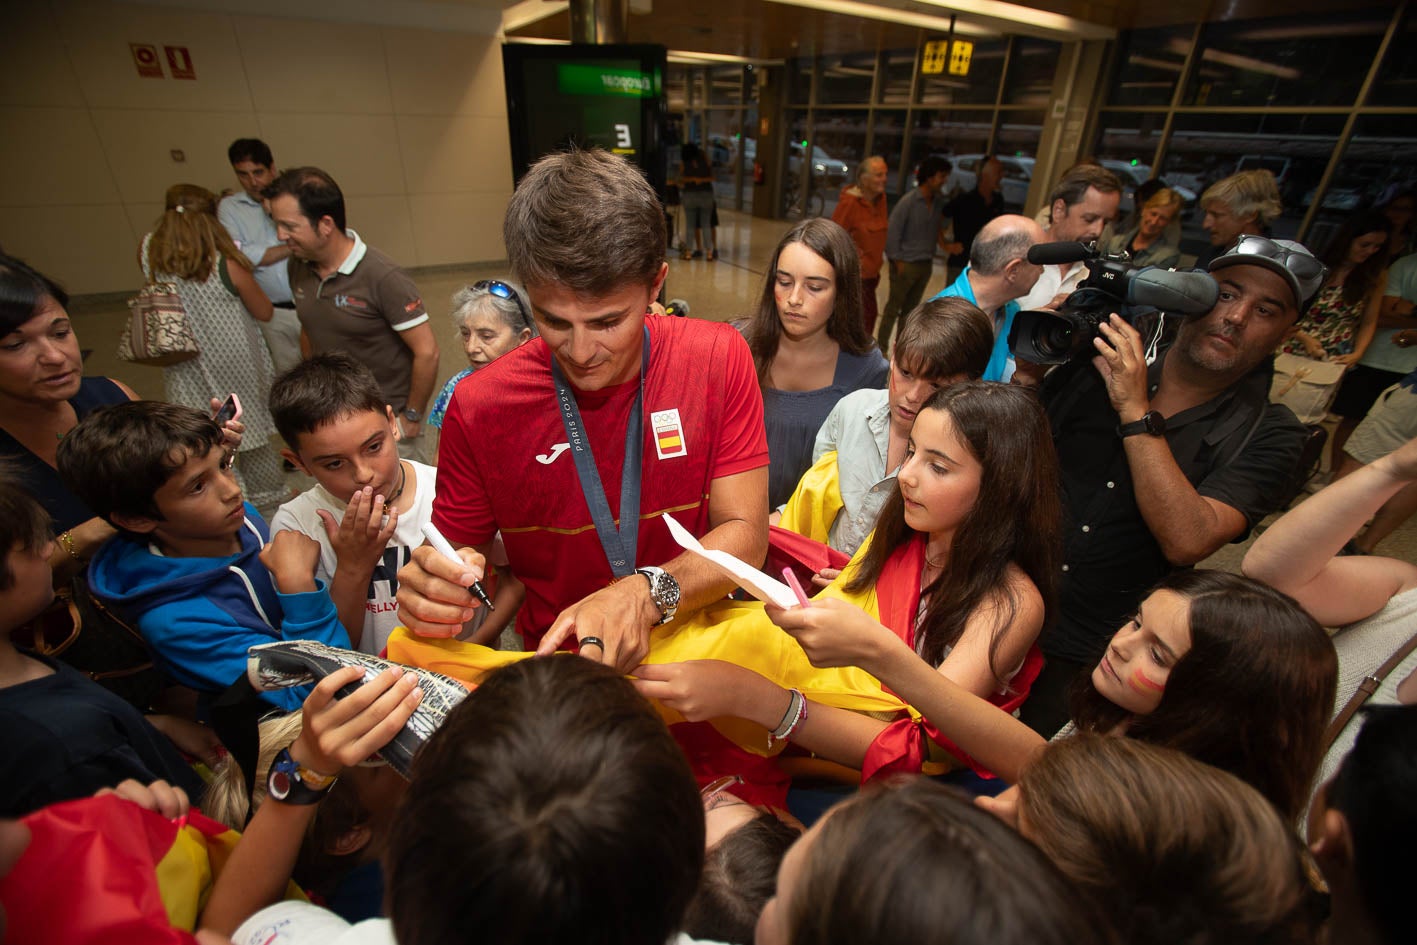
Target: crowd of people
1007,705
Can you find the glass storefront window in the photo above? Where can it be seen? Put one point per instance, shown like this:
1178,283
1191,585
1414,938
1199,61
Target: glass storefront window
794,191
676,87
1397,80
750,155
799,81
1149,64
888,140
1126,145
1379,163
725,152
1031,67
838,145
725,85
846,80
897,74
980,87
1313,61
1206,148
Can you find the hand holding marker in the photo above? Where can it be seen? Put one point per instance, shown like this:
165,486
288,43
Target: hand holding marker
436,539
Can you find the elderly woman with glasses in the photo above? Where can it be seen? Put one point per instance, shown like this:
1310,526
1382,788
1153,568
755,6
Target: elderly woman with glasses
492,318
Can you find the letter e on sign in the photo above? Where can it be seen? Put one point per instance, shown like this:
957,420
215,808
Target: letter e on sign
145,58
179,62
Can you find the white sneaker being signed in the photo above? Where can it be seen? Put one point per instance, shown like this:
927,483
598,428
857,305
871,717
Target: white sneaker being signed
301,662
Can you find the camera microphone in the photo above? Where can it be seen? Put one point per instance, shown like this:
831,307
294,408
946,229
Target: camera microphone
677,307
1178,292
1056,254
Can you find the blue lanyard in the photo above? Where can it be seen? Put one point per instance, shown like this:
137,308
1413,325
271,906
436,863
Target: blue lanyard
618,542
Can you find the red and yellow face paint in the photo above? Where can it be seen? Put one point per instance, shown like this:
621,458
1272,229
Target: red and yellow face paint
1143,684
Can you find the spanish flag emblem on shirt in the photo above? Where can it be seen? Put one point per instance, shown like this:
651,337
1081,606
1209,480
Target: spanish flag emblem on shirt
668,434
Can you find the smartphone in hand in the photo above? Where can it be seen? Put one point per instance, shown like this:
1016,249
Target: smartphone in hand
229,410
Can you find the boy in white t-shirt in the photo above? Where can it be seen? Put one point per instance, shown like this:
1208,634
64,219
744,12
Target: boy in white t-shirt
368,508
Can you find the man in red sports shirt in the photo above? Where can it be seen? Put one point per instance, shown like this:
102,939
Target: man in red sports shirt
540,446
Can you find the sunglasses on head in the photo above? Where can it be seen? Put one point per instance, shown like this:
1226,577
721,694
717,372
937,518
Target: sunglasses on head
1301,264
503,291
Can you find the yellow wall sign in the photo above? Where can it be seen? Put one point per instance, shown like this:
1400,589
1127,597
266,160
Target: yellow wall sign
960,56
941,52
933,61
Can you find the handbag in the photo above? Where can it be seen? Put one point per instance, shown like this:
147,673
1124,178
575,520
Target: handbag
78,630
159,332
1305,386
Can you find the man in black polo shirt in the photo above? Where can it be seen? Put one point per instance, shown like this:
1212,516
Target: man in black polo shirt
1162,465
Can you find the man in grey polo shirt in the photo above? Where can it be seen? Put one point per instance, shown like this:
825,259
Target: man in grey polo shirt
353,298
245,218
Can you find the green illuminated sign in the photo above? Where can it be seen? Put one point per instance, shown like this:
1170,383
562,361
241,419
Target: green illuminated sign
572,79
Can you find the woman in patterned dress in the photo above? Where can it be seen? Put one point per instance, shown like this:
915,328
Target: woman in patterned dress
191,249
1341,321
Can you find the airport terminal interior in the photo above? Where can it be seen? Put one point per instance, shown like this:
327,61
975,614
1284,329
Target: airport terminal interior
475,792
1323,95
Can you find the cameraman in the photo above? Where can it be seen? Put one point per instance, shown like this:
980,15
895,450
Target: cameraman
1162,465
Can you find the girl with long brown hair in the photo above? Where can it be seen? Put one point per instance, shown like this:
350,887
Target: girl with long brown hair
809,344
1223,668
960,574
192,250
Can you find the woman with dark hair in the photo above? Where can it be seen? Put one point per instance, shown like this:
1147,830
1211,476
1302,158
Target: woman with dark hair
809,344
43,395
1341,323
960,574
915,862
191,249
1172,851
1227,670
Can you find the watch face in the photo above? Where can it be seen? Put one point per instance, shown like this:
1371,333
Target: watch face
279,784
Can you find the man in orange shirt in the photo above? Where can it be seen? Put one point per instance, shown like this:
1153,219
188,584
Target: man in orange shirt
861,211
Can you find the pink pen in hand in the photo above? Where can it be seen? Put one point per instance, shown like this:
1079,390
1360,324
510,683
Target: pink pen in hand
791,578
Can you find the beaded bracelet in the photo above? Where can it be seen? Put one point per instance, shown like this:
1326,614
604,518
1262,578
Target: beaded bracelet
66,541
792,719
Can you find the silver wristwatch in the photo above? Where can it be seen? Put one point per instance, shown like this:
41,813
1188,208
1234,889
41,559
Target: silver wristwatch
664,591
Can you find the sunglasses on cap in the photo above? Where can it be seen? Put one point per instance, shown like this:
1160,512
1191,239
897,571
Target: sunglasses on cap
503,291
1304,266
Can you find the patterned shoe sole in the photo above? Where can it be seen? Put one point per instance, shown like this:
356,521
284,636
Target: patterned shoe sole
301,662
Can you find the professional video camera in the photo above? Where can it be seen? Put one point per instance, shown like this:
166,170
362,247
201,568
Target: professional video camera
1112,285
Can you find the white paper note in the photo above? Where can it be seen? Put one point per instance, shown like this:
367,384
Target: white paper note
746,576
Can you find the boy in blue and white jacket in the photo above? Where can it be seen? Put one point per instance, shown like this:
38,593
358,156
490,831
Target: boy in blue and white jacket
192,566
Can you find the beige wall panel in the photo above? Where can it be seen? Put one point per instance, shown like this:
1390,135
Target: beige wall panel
445,73
142,217
138,145
84,248
454,228
361,152
447,153
52,156
97,36
32,70
309,66
384,222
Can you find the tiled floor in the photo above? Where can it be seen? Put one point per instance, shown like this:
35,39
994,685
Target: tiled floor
721,290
